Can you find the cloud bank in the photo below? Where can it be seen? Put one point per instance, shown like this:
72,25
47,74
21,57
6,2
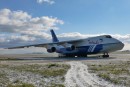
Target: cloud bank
19,21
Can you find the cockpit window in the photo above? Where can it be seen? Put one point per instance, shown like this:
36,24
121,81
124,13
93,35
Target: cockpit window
108,36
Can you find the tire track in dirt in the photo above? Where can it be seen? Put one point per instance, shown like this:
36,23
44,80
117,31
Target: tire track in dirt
78,76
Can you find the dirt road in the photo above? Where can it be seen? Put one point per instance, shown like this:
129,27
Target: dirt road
78,76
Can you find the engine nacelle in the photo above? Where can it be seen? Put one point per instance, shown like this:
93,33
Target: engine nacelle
60,49
51,49
69,47
55,48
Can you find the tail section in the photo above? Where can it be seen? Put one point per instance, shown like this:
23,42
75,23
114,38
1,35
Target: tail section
54,37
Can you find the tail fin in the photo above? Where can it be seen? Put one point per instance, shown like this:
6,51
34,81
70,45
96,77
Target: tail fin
54,37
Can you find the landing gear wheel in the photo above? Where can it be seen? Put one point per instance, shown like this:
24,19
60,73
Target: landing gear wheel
106,55
82,55
61,55
69,55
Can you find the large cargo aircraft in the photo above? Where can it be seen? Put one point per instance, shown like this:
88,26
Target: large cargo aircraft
103,44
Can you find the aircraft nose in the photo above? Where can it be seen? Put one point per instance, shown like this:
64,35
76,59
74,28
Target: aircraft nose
121,45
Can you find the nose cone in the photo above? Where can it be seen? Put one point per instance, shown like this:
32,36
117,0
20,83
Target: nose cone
121,45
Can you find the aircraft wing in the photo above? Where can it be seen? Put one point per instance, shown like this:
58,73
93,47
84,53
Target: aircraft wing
27,46
46,44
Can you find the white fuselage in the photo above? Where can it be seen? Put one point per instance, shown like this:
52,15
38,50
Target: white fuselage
108,44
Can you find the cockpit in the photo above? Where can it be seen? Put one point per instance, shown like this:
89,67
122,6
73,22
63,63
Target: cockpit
108,36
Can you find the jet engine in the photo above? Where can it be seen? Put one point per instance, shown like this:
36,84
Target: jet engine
51,49
55,48
60,48
69,47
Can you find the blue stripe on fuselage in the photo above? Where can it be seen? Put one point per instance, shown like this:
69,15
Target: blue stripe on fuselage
98,48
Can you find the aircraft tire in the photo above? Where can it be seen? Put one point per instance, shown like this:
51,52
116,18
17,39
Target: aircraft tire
105,56
82,55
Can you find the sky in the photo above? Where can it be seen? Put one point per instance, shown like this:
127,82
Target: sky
24,22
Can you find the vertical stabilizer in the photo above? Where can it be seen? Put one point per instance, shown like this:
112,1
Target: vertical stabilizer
54,37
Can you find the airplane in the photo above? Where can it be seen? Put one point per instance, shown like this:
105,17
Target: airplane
103,44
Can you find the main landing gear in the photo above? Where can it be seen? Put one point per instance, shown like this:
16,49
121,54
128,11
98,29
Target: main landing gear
82,55
73,55
105,55
61,56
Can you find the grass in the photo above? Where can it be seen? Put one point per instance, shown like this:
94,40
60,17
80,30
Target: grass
117,73
104,76
108,78
9,59
3,79
2,75
45,70
20,85
56,85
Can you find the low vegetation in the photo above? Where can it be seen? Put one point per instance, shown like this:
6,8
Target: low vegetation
20,85
52,70
117,73
56,85
45,70
3,79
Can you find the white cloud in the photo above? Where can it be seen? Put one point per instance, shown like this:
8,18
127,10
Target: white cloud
20,27
77,35
46,1
19,21
19,40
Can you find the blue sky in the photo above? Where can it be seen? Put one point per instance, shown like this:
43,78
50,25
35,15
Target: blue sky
84,16
29,21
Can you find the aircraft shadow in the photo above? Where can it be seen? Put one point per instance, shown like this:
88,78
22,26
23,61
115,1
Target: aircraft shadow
66,58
